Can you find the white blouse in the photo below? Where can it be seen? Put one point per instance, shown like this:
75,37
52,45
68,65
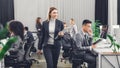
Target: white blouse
51,31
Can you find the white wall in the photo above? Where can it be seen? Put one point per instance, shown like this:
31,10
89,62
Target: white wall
28,10
112,14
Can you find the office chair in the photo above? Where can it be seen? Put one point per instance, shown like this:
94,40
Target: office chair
11,60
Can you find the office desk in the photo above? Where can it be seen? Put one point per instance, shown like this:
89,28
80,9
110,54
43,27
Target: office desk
107,55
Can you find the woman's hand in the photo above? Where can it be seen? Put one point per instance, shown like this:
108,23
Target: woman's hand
61,33
39,52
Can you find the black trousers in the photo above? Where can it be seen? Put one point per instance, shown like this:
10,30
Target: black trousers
51,53
39,37
89,58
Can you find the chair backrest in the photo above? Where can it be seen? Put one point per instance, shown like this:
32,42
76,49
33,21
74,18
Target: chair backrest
68,44
31,46
27,53
66,41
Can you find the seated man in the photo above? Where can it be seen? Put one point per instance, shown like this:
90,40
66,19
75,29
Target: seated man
83,40
29,40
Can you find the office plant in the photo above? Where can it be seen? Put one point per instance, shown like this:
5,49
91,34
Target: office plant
96,30
114,44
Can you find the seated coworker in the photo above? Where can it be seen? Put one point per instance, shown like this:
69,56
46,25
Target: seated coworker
28,36
83,41
16,28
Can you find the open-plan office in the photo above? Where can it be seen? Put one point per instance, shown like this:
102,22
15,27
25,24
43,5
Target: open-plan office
54,25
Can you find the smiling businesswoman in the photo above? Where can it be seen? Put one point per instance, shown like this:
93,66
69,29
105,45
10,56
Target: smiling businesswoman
51,37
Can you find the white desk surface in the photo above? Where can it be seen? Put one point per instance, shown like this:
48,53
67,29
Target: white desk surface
104,48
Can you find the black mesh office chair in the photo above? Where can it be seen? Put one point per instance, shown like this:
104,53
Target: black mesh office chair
11,60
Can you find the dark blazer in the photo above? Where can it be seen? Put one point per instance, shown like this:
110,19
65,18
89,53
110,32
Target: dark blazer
30,37
45,33
29,40
38,26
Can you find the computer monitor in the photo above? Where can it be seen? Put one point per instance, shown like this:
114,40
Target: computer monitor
117,35
103,31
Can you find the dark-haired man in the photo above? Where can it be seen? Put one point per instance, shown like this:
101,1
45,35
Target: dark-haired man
83,41
29,37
